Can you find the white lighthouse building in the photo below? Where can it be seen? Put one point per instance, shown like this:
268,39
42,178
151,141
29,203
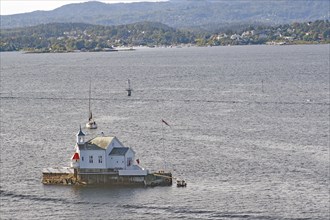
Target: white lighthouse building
105,152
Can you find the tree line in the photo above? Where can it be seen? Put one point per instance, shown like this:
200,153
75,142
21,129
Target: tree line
64,37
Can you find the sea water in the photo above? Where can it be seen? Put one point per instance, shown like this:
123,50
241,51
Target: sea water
249,131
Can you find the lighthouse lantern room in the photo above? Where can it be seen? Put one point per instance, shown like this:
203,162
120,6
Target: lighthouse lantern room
80,137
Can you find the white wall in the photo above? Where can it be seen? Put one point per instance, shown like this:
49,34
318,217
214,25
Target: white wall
85,159
130,154
116,162
133,172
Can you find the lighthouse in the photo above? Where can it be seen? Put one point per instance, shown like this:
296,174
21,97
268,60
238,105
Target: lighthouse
80,141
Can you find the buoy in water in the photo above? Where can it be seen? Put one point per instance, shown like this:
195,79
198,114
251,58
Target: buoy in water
129,89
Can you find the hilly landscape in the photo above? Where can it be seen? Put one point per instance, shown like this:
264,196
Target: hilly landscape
204,15
96,26
57,37
69,37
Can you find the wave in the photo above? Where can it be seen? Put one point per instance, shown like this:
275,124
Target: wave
38,198
307,102
200,213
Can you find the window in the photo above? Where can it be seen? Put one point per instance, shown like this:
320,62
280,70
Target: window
90,159
100,159
82,158
129,161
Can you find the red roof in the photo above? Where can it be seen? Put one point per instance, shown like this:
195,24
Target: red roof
75,156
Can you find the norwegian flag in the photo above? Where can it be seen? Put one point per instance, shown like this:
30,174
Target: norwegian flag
166,123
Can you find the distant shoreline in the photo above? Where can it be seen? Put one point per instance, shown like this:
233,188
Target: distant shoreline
159,47
80,51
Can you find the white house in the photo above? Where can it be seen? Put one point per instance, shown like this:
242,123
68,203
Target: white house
105,152
235,37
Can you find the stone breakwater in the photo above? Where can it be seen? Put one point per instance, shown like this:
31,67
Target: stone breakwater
70,176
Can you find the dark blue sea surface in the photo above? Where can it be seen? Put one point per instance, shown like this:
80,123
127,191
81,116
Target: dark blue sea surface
249,131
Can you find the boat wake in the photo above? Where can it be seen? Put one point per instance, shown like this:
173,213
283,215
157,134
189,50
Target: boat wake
4,194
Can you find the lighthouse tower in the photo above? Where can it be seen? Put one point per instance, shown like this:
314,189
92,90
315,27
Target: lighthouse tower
80,140
80,137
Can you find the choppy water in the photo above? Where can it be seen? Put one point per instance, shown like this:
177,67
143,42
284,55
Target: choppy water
249,131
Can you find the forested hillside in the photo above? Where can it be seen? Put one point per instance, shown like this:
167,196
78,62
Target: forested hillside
63,37
207,15
79,36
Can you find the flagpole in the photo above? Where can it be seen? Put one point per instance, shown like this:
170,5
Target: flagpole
163,146
164,150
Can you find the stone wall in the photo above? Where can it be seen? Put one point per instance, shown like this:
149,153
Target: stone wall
59,178
106,177
112,179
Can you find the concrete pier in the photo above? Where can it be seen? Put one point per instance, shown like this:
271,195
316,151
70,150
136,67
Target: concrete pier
160,178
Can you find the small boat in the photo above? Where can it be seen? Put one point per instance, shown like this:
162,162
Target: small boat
181,183
91,124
